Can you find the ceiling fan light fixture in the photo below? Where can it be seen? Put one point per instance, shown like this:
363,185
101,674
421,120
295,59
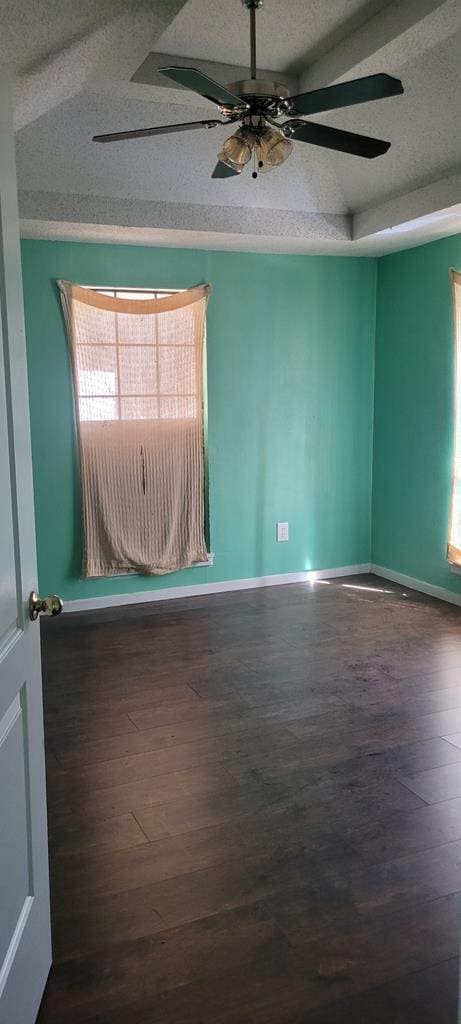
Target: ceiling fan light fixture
273,149
223,159
238,148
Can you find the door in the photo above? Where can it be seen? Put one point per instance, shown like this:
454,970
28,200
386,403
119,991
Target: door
25,946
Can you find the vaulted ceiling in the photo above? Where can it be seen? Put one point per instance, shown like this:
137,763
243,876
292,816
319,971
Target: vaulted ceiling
83,68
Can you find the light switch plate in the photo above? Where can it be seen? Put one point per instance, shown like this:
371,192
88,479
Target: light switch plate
282,531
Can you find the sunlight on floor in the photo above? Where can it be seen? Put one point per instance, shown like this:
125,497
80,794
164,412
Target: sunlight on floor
375,590
311,577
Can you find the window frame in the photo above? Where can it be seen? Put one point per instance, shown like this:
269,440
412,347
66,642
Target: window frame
116,292
454,534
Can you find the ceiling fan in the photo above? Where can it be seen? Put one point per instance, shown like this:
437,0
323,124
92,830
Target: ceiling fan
259,106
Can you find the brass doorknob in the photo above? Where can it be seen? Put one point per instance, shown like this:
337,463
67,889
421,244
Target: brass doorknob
50,605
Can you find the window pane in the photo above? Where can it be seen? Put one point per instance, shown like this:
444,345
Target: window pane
177,370
136,330
94,326
181,332
139,408
138,370
97,370
97,408
180,408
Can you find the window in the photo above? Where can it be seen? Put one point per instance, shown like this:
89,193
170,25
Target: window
136,368
454,539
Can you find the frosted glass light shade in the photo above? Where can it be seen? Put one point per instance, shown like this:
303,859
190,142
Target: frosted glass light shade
238,149
273,149
238,168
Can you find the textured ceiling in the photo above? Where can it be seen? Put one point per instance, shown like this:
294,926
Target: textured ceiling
171,168
423,125
289,34
32,32
72,71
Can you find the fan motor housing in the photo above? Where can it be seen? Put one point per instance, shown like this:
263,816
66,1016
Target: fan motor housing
260,97
257,88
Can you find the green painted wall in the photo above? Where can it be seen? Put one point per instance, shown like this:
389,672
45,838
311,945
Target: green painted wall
414,407
290,384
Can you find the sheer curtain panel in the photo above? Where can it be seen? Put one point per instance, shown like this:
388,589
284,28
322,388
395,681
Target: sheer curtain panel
137,373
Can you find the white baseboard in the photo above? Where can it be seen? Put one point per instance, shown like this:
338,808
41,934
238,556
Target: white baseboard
199,589
413,584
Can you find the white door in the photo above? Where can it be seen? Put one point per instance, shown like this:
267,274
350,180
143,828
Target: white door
25,945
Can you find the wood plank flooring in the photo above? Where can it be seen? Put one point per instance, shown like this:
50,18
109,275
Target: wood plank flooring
255,809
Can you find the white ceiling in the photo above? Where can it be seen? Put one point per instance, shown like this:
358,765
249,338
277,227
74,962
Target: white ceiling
31,35
289,34
72,74
173,168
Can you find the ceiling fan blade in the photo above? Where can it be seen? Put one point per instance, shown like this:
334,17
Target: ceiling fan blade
164,129
346,94
334,138
224,171
193,79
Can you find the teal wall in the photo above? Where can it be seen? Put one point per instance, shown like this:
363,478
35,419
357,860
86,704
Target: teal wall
414,408
290,385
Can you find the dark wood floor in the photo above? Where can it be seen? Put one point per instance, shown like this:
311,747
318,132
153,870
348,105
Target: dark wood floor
255,809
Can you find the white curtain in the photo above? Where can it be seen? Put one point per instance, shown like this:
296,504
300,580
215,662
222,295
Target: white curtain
454,538
137,371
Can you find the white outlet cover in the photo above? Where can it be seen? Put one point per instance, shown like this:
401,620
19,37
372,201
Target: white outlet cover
282,531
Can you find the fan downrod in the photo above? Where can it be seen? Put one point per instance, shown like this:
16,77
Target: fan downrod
252,7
